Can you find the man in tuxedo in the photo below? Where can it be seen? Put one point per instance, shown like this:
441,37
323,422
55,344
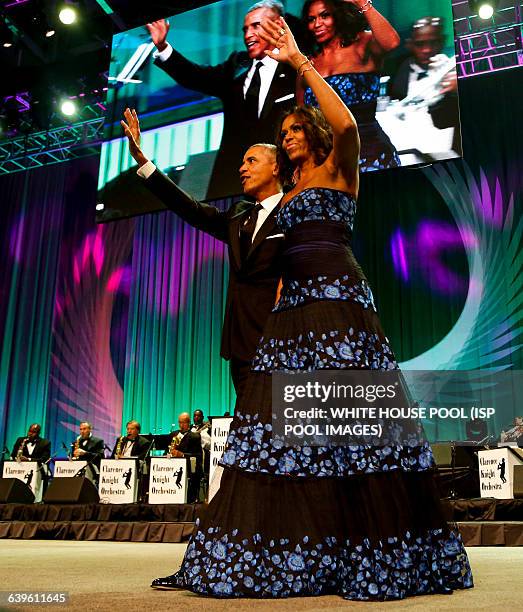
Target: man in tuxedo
255,243
133,445
188,444
32,447
87,447
425,42
254,90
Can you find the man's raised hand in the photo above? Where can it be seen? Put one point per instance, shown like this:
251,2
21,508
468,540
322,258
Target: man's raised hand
158,31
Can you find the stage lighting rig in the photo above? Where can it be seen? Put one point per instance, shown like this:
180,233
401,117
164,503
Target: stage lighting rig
6,35
68,13
68,108
483,8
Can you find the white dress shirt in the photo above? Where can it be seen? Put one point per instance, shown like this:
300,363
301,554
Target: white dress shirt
267,206
267,72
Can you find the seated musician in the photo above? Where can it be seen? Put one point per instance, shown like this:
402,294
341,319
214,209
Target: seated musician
187,443
133,445
87,447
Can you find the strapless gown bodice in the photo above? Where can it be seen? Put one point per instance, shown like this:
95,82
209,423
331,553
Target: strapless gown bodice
352,87
318,263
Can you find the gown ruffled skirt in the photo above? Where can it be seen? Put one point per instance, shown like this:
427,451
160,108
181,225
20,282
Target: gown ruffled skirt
364,522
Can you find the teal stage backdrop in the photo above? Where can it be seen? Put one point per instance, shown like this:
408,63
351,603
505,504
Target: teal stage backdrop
123,320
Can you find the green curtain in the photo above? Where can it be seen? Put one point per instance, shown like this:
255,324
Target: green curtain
32,211
176,307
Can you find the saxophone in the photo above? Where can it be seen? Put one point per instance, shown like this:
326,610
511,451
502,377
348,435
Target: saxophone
76,447
174,444
20,451
118,453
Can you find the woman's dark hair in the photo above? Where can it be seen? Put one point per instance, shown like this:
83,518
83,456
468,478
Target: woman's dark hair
348,21
318,134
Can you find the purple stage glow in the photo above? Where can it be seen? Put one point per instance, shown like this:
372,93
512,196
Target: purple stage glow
93,247
399,257
487,204
423,252
16,239
120,280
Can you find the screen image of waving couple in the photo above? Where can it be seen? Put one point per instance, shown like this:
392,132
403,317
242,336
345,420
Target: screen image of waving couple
360,521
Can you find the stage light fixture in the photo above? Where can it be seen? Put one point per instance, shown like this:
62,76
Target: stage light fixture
484,8
68,108
7,38
67,15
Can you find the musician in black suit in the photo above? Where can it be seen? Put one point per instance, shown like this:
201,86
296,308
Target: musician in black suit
425,42
254,90
250,231
87,447
188,443
133,445
32,447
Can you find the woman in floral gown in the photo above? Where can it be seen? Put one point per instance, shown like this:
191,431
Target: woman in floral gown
360,521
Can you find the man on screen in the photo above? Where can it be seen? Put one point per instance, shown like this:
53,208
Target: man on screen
254,90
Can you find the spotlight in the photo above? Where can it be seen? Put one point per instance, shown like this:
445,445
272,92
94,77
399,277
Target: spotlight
49,32
484,8
485,11
7,38
67,15
68,108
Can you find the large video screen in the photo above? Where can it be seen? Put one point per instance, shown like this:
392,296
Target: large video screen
393,65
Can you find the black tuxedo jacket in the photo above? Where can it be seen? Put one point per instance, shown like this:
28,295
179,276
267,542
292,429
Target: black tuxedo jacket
225,81
94,448
399,84
140,447
41,452
252,283
190,445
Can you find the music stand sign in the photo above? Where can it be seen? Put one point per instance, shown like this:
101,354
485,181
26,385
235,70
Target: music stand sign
219,433
28,472
496,472
118,481
168,480
71,469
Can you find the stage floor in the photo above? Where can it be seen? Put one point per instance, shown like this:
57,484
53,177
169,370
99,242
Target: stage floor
116,576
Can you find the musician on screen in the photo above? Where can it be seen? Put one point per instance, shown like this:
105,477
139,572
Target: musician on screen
428,76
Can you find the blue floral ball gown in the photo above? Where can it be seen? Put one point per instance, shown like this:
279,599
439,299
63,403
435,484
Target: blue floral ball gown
359,91
363,522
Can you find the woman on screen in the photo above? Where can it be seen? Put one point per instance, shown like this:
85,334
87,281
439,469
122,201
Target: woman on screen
360,521
349,39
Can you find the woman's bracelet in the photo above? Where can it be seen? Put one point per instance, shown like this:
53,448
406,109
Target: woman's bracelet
367,6
304,62
305,70
302,68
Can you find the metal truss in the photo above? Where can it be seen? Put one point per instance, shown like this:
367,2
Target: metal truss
488,45
32,149
51,147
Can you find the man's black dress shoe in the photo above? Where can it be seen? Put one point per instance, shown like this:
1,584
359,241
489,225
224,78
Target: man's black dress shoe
168,583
